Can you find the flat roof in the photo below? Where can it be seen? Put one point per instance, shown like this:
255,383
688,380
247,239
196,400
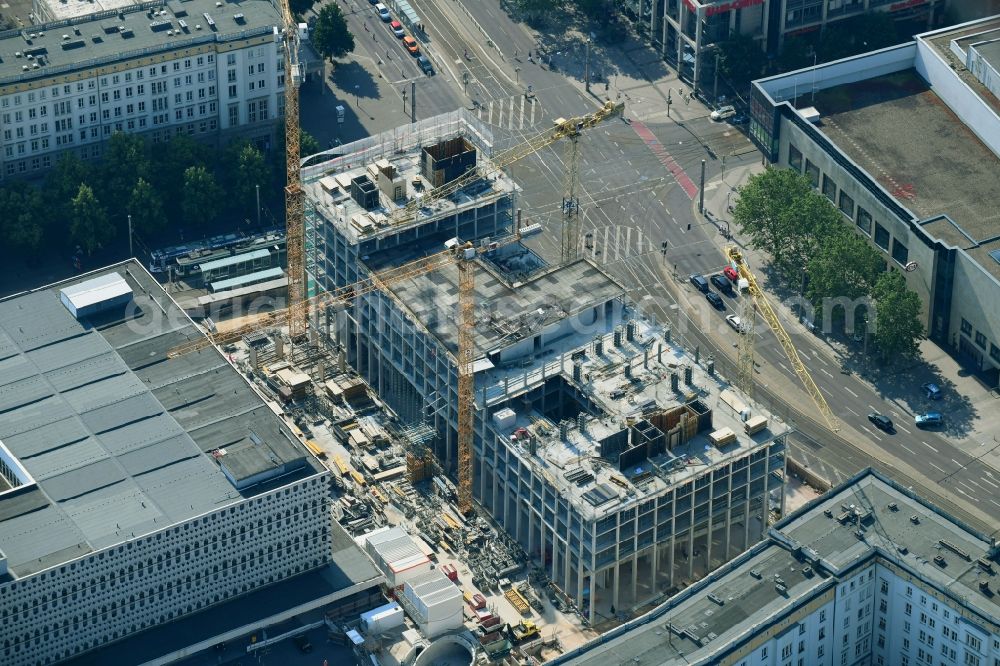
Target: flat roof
97,290
576,465
234,259
905,136
807,554
107,36
266,275
350,567
546,297
117,435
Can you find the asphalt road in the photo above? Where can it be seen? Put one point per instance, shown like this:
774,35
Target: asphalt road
638,187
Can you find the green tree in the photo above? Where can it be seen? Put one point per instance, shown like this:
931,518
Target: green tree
858,34
308,145
169,164
843,266
22,212
89,227
741,60
897,317
330,34
61,185
534,10
782,214
126,160
202,198
249,170
593,8
300,7
146,208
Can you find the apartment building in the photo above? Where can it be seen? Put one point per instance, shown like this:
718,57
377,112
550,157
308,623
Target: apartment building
869,573
686,32
840,125
207,69
593,431
138,491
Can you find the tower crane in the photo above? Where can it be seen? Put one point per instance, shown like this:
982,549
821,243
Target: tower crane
294,198
744,373
296,314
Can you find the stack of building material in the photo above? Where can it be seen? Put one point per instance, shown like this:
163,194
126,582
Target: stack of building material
434,602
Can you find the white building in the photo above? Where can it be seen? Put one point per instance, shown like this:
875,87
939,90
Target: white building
938,227
867,574
159,69
434,603
137,489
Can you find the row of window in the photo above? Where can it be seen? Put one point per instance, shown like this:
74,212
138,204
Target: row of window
823,182
981,340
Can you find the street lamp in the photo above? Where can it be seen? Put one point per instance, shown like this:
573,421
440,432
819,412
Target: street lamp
403,92
357,100
586,68
130,253
258,206
517,75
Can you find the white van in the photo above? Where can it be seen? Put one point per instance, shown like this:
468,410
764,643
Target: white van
383,12
723,112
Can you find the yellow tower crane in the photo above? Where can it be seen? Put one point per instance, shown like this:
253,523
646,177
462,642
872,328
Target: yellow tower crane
744,372
298,310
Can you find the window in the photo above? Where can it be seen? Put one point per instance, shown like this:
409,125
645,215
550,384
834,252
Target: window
881,237
819,652
909,609
899,252
786,652
973,642
966,328
846,204
883,584
794,158
980,339
829,188
812,172
971,659
995,355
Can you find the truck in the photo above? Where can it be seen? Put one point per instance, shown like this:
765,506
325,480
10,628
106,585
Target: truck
525,630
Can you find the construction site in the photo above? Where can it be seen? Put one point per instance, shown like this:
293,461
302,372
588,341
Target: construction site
527,457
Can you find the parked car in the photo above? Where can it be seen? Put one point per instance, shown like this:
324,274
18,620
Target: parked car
397,29
699,282
736,323
932,391
723,112
881,421
722,283
715,300
731,273
411,45
425,64
739,119
929,420
383,12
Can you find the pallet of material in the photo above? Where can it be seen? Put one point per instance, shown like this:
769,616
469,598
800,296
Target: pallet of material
517,601
722,436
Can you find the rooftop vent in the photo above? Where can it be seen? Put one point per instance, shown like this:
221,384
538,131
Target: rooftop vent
996,255
893,506
239,18
939,560
915,519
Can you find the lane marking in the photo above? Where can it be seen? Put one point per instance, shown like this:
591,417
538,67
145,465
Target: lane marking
851,392
931,448
912,453
903,429
938,468
985,480
825,372
852,411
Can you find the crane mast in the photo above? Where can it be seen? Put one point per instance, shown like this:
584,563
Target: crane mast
294,197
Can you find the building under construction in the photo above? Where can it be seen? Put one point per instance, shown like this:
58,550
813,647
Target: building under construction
623,466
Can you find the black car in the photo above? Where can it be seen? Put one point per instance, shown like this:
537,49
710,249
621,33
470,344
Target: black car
722,283
699,282
715,300
881,421
425,64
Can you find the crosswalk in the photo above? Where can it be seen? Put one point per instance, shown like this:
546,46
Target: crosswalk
665,158
514,113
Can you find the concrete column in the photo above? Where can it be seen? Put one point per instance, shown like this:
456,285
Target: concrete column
654,14
591,615
696,84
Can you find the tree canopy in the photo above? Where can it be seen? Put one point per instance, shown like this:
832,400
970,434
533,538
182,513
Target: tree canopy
202,198
22,213
330,34
741,60
897,317
89,227
146,208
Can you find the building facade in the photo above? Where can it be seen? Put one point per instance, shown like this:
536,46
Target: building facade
136,488
157,69
687,31
936,226
867,574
